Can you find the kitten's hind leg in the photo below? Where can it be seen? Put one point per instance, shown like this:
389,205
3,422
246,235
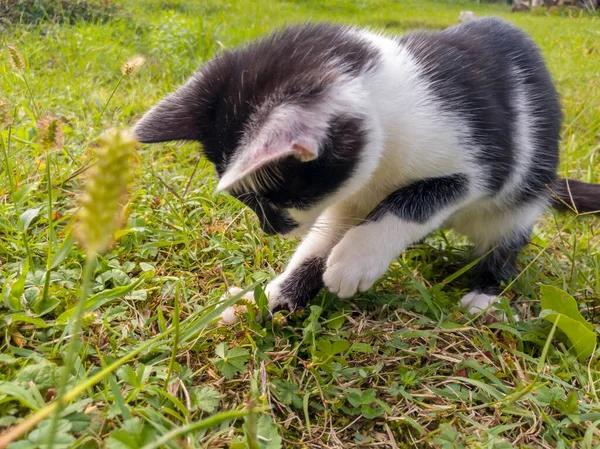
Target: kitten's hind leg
498,266
499,238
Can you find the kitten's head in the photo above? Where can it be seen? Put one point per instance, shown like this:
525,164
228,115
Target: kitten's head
282,120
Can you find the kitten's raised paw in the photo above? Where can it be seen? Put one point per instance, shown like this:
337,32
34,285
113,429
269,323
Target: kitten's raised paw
232,314
353,266
476,303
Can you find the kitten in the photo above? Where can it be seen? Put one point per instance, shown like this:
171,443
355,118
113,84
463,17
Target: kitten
369,143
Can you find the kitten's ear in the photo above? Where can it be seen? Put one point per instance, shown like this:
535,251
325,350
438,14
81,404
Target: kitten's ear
289,131
178,116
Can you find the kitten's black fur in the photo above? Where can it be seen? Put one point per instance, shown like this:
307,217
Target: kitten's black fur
472,67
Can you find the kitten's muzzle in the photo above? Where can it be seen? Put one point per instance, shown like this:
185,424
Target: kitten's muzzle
275,221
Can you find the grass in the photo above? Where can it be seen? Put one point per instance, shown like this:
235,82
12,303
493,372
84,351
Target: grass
399,366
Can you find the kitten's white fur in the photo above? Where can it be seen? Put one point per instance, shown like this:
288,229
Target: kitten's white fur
411,138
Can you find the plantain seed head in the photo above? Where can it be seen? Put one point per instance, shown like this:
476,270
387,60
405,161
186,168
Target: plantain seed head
16,58
132,65
101,205
50,133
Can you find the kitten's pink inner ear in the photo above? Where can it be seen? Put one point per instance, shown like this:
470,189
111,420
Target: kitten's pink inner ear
305,150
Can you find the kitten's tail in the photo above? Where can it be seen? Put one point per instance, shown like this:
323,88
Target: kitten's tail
576,196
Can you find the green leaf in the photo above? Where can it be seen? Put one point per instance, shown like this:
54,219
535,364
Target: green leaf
267,434
206,399
327,347
22,194
550,396
364,348
42,375
7,421
324,346
28,216
561,302
262,302
571,405
368,396
119,278
221,349
230,362
146,266
133,435
311,324
62,439
287,392
582,339
23,444
339,346
137,295
448,437
22,318
120,439
100,299
371,412
561,309
63,251
12,295
79,421
336,320
354,397
46,305
7,359
21,394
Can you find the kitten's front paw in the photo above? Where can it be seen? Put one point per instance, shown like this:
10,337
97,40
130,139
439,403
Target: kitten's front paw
354,264
275,298
231,314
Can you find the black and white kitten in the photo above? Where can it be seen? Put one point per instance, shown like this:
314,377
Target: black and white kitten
369,143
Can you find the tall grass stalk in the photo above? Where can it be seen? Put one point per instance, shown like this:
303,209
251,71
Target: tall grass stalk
75,324
11,183
108,101
50,229
129,68
18,62
175,324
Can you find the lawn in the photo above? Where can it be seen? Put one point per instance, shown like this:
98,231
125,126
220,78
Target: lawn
399,366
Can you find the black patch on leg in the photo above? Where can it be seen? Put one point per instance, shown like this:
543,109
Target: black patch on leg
499,265
303,284
421,200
